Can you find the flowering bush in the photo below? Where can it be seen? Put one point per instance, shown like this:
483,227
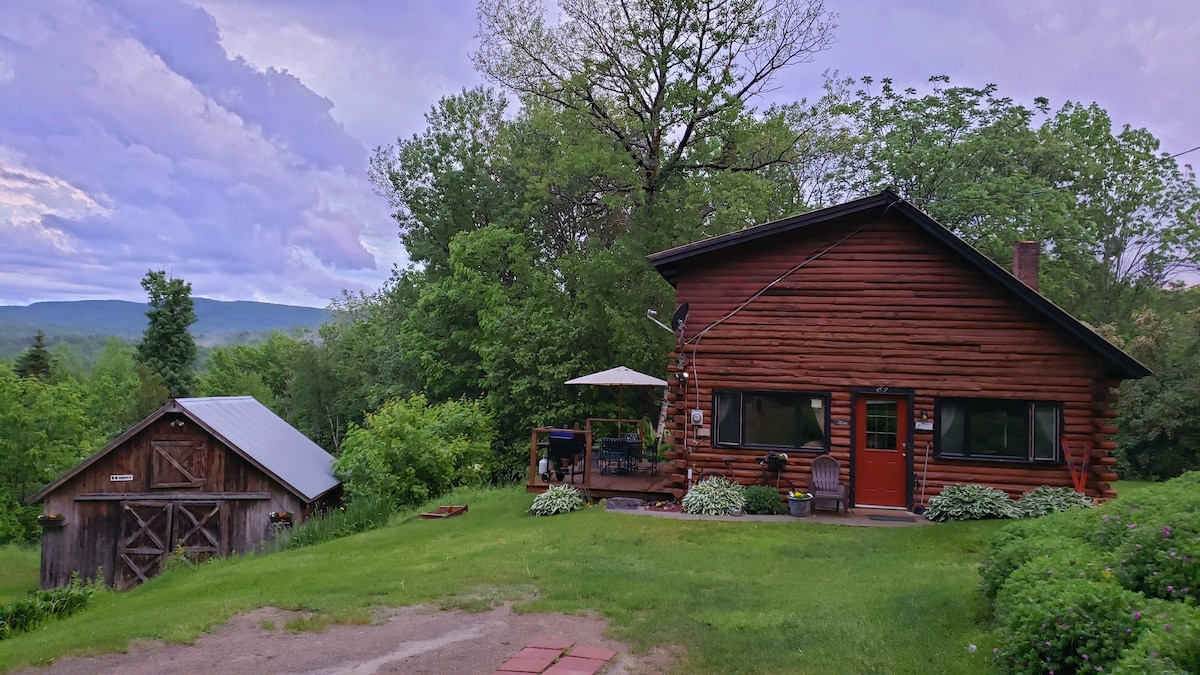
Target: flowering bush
970,502
1044,500
1023,541
1064,625
1091,590
714,497
1167,643
557,499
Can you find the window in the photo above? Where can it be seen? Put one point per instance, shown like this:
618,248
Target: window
1014,431
761,419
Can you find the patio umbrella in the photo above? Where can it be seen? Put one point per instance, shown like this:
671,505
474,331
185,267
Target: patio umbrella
619,377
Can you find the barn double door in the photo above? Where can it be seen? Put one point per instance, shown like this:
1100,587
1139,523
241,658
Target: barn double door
152,530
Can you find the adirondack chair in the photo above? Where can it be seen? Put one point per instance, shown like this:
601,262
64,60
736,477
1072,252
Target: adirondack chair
825,484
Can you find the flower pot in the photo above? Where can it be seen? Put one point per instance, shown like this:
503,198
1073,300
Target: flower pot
774,464
799,508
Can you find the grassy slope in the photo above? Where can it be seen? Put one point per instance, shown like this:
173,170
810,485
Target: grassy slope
736,596
18,571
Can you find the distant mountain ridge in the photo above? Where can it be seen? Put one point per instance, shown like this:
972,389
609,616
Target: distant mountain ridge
128,319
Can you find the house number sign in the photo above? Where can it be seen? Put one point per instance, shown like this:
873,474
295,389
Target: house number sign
120,477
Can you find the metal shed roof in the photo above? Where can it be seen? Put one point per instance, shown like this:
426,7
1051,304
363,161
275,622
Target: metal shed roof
251,430
267,440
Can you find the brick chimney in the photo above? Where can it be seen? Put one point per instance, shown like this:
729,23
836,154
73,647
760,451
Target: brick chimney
1026,262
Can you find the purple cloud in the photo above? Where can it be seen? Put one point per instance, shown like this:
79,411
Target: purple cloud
130,140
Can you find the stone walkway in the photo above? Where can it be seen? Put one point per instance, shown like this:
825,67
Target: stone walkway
856,517
550,656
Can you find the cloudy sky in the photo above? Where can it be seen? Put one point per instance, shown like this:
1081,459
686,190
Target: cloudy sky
226,141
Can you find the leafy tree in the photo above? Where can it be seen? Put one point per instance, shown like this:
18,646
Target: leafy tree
112,391
448,179
666,81
45,433
35,361
1114,218
409,451
264,371
1139,208
1159,421
167,347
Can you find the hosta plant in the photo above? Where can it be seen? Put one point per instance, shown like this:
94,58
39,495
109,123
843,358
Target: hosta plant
970,502
557,499
714,497
1044,500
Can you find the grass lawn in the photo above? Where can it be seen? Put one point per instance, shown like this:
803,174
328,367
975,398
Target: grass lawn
18,571
735,597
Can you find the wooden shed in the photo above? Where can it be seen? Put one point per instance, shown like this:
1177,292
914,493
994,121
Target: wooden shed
208,475
869,332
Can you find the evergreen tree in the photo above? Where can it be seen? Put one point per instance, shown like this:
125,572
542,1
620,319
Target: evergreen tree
35,361
167,348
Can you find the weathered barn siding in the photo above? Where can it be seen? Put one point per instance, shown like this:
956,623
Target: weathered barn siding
880,305
171,483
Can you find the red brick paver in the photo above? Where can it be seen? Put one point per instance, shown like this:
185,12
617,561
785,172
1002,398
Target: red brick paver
574,665
546,652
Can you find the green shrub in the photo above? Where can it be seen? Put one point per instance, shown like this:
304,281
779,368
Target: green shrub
1065,625
557,499
22,616
714,497
1115,583
1159,558
970,502
1019,542
1044,500
1168,642
359,515
410,452
764,500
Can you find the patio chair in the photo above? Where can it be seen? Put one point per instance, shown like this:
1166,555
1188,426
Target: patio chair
825,484
565,452
613,456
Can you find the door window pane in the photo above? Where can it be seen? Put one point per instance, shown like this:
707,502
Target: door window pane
881,425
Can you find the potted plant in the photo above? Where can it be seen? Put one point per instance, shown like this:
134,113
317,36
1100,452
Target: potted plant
799,503
281,517
52,520
774,461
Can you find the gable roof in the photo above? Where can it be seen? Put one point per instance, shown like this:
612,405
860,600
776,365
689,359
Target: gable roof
252,431
671,262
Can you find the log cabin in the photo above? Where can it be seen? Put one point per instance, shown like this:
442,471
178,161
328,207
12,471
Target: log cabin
870,332
202,476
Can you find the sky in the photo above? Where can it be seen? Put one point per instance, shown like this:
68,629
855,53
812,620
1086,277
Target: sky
227,141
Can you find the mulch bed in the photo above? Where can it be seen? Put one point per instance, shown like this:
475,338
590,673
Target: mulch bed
674,507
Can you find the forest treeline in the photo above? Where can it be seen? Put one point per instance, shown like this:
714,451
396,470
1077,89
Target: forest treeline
612,129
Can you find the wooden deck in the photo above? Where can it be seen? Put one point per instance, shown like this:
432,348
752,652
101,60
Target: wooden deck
644,483
641,485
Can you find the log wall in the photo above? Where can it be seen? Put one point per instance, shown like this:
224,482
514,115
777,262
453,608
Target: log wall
879,304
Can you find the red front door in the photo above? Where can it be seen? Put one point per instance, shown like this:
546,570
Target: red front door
880,464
